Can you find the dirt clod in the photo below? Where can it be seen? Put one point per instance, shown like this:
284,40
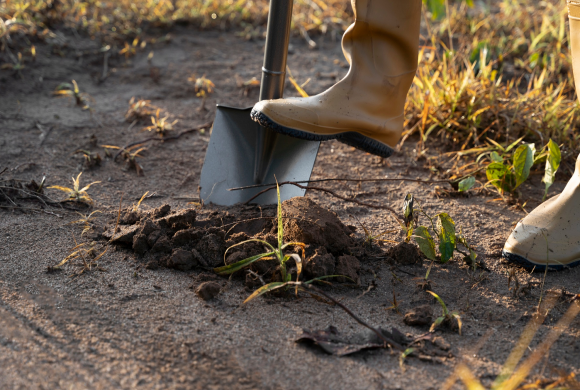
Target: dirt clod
140,244
419,316
305,221
321,264
208,290
182,260
348,266
406,254
163,245
212,248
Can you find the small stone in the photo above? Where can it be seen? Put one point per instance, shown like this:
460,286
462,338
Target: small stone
182,260
348,266
208,290
419,316
140,244
163,245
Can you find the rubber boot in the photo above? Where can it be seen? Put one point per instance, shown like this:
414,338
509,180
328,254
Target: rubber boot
550,235
364,109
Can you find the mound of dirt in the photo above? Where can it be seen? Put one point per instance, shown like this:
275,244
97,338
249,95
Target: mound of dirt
405,253
181,240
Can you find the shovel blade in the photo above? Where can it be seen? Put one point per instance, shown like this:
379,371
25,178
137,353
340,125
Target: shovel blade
230,161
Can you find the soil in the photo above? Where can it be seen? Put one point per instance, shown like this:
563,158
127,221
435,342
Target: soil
136,320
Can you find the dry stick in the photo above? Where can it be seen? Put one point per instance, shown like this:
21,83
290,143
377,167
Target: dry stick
4,170
208,124
339,179
392,210
387,340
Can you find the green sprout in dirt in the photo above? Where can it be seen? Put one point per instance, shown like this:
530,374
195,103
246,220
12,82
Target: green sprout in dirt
160,125
203,87
448,318
277,254
86,221
274,253
72,91
425,283
139,109
443,228
77,194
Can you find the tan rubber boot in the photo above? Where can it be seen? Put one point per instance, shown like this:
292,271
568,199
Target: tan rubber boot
550,234
364,109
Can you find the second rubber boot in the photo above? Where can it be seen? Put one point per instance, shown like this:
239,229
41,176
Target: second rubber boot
364,109
550,234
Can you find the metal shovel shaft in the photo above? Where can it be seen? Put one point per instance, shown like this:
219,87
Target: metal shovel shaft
273,77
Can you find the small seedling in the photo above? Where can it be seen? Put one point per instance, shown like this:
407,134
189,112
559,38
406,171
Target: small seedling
203,87
160,125
139,109
129,155
136,206
75,194
447,318
274,253
247,85
130,50
72,91
91,159
395,304
86,221
425,283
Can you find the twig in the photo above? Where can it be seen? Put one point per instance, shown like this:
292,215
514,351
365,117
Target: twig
392,210
256,276
380,334
339,179
30,209
208,124
4,170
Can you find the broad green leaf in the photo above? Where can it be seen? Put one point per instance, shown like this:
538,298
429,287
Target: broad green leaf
264,289
446,236
230,269
500,177
495,157
466,184
435,324
445,311
552,165
425,242
523,161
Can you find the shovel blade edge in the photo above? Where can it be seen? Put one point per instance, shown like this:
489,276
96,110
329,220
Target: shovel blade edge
231,157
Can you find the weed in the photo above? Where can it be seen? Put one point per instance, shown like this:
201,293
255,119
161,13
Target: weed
274,253
72,91
130,50
203,87
160,125
91,159
130,155
447,318
139,109
86,221
75,194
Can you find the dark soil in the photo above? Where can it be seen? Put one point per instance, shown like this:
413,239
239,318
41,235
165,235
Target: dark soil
133,320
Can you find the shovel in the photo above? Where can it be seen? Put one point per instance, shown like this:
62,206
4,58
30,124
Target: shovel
242,153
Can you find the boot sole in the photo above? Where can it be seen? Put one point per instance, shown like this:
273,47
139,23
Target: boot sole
529,265
351,138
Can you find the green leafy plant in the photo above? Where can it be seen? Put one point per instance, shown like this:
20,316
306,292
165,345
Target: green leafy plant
552,164
447,318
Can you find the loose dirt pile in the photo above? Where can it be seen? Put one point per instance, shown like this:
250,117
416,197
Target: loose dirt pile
165,238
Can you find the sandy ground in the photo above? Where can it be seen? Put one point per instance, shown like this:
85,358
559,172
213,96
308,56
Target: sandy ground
125,326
